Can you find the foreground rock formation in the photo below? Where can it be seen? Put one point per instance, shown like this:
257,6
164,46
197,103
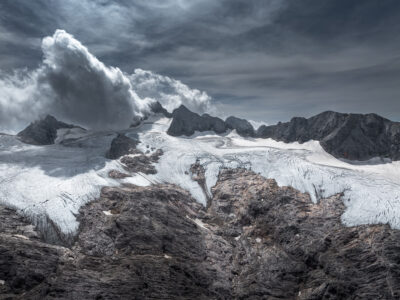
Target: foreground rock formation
255,241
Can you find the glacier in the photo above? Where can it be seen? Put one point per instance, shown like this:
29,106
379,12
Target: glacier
56,180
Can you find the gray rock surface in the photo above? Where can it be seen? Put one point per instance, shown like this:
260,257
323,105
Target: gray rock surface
185,122
242,126
157,108
122,145
349,136
42,132
255,241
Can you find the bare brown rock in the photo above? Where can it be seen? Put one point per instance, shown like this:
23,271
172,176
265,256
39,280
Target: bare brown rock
140,162
256,240
117,174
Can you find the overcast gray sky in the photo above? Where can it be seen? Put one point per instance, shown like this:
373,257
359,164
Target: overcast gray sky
264,60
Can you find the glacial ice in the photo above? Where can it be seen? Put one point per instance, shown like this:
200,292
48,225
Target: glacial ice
56,180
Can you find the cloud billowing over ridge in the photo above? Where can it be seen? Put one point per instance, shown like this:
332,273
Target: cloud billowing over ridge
75,86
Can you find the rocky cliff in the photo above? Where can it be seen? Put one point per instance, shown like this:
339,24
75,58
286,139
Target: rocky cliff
256,240
242,126
43,131
185,122
350,136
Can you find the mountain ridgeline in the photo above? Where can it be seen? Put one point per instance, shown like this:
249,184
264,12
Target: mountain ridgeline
348,136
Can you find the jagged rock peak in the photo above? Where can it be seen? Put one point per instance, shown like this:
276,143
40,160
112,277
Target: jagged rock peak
242,126
43,131
349,136
157,108
185,122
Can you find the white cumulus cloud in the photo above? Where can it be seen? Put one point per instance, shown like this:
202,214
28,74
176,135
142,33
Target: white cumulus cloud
75,86
169,92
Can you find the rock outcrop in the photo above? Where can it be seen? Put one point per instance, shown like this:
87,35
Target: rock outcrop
185,122
242,126
157,108
255,241
42,132
132,159
349,136
122,145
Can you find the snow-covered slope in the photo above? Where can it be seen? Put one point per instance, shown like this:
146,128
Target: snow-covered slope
371,190
56,180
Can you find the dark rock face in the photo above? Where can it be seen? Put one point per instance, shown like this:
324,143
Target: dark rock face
25,260
242,126
255,241
185,122
121,145
198,174
303,251
42,132
157,108
350,136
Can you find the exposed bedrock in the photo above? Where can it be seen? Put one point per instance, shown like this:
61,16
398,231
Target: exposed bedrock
122,145
43,131
242,126
132,159
185,122
255,241
349,136
157,108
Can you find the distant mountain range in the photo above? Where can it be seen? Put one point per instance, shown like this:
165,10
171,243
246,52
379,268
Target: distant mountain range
347,136
159,211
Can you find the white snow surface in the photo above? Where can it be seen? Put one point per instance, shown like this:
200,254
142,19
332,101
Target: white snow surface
57,180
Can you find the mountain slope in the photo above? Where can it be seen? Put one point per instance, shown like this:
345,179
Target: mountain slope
256,240
350,136
43,132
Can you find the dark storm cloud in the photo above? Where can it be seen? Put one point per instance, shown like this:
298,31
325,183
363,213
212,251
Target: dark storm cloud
265,60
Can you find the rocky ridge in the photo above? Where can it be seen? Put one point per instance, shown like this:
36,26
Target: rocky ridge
122,145
185,122
43,131
256,240
348,136
133,160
